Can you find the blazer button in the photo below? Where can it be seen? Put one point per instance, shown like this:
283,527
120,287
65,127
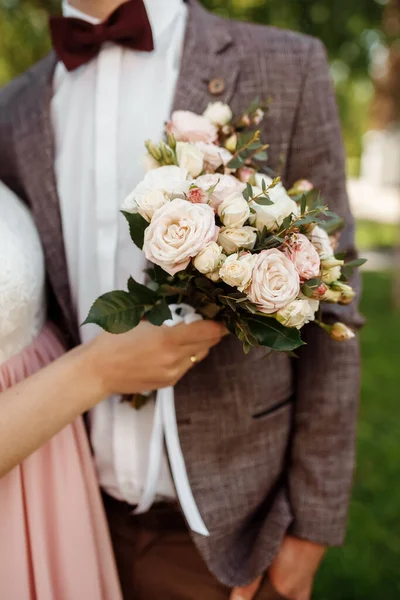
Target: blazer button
216,86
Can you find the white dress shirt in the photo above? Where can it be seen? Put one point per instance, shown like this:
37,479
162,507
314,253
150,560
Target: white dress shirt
102,114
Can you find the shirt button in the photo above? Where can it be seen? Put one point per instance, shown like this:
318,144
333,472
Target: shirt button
216,86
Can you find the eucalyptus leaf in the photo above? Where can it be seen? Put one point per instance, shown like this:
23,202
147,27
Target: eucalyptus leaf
137,227
116,312
263,201
235,163
303,205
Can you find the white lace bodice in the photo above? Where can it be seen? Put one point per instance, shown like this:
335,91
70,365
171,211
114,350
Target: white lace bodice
22,304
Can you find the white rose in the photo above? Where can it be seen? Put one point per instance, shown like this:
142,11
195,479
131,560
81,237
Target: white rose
298,313
214,155
146,204
169,182
234,210
237,270
189,158
218,113
275,282
225,185
320,239
209,259
178,232
234,238
271,216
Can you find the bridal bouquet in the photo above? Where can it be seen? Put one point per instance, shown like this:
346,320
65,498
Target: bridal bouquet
225,236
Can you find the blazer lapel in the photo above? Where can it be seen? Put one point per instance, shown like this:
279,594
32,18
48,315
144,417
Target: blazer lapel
209,68
34,141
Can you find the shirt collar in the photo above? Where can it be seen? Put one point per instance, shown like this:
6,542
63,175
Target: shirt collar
161,14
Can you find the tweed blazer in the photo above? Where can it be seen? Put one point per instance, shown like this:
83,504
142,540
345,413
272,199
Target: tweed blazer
268,442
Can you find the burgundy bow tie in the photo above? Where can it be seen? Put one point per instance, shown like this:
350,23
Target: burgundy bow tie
76,41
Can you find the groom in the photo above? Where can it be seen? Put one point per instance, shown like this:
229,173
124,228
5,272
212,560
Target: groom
268,444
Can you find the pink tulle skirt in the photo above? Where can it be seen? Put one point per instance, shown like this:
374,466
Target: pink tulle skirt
54,542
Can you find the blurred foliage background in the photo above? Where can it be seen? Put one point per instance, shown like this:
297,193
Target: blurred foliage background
363,42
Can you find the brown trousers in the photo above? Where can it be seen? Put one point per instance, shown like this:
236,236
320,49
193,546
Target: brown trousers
157,559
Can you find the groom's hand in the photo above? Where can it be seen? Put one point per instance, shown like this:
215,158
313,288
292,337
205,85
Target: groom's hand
292,572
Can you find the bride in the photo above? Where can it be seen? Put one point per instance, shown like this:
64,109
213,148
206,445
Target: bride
54,542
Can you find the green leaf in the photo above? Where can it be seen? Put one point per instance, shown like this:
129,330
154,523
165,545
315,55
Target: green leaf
248,192
159,313
143,294
303,205
261,155
235,163
358,262
272,334
263,185
308,288
158,274
116,312
263,200
137,227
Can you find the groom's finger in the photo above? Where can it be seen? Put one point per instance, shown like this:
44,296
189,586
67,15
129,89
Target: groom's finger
201,331
247,592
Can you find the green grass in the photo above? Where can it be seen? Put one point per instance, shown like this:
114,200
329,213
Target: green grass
371,234
368,567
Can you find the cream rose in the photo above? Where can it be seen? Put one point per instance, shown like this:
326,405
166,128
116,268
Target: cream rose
234,211
275,282
209,259
237,270
178,232
271,216
190,158
232,239
298,313
225,185
320,239
186,126
214,155
157,187
218,113
303,255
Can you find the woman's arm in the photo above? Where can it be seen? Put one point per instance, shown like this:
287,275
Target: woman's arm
147,358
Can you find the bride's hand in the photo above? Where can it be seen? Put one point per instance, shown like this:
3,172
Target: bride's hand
149,357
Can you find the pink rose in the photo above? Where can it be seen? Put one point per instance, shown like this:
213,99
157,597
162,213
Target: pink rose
225,185
189,127
178,231
304,256
275,282
303,186
245,174
197,196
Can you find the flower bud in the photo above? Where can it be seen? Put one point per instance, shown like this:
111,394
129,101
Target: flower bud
340,286
341,333
320,291
329,263
231,143
347,297
331,296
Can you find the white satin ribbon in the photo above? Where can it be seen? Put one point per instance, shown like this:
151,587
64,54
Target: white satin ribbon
165,425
